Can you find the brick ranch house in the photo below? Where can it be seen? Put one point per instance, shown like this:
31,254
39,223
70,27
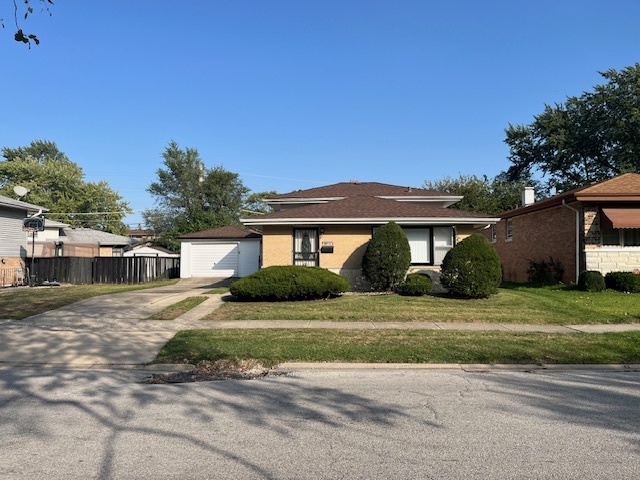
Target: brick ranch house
330,226
596,227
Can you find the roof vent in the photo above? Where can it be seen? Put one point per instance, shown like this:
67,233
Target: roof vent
355,182
409,189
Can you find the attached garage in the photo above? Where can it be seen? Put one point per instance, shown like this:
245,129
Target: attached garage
220,252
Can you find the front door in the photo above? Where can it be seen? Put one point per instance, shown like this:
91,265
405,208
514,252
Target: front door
305,247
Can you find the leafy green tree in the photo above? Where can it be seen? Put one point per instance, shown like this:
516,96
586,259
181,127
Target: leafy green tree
55,182
471,269
387,258
481,194
254,205
190,197
586,139
18,15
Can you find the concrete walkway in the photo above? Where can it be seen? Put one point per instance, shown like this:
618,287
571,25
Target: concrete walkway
111,329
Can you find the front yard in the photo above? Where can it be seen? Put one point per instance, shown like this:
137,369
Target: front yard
513,304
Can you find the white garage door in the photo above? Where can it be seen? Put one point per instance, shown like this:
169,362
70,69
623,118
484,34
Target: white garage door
214,260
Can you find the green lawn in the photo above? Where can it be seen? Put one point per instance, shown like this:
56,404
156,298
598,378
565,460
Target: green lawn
513,304
401,346
18,303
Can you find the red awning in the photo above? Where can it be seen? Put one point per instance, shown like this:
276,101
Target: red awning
620,218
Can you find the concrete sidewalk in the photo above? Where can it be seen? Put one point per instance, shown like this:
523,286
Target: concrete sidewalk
111,329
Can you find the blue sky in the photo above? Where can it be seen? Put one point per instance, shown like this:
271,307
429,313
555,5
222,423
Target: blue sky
297,94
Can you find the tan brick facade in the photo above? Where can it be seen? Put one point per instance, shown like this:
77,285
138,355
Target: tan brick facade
350,243
537,236
277,245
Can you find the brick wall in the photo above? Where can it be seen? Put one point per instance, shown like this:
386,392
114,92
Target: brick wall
613,259
349,245
537,236
8,270
277,245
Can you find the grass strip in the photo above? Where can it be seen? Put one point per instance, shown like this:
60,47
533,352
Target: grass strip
19,303
515,304
174,311
401,346
218,291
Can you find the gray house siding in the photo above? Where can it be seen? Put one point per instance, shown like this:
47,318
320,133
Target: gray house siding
13,241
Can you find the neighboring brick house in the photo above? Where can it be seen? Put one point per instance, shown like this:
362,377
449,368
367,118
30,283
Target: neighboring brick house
330,226
596,227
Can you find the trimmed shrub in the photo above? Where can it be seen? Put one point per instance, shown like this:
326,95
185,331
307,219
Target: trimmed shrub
472,268
282,283
415,285
545,273
387,258
591,281
623,281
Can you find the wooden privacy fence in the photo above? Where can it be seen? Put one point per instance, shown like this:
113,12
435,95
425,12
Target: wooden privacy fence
85,270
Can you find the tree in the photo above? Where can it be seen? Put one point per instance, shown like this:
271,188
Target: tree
387,257
55,182
482,195
191,197
254,204
20,35
586,139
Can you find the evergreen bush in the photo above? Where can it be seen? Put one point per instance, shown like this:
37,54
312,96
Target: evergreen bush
387,258
472,268
623,281
282,283
415,285
591,281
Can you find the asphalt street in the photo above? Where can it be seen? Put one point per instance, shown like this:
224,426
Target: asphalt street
321,424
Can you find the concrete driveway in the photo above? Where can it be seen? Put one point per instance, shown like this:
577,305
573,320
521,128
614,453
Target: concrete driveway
103,330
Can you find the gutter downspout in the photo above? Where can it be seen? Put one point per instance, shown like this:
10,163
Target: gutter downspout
564,204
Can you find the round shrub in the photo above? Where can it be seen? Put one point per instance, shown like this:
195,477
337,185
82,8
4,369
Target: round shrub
387,258
415,285
282,283
472,268
623,281
591,281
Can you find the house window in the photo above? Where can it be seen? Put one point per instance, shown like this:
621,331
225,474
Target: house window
509,229
419,243
494,233
117,252
305,247
442,243
628,237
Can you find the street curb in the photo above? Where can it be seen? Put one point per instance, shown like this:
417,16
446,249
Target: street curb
290,366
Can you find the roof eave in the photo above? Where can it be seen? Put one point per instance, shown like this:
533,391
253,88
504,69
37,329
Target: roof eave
373,221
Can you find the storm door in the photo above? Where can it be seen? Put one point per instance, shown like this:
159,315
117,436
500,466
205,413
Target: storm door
305,247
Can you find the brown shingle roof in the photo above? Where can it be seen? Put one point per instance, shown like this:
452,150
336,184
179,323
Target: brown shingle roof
624,187
367,207
351,189
228,231
627,184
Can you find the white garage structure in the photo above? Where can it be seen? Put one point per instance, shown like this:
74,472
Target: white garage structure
220,252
